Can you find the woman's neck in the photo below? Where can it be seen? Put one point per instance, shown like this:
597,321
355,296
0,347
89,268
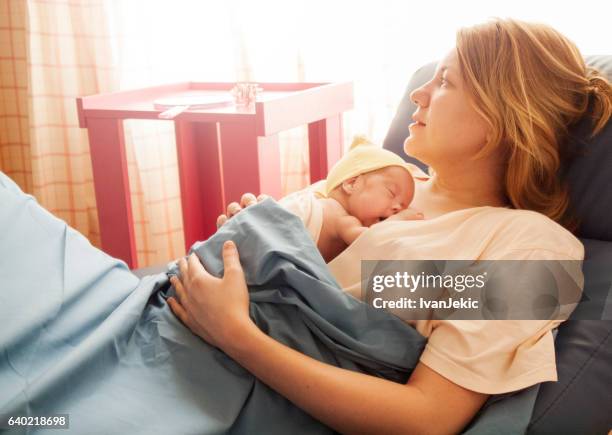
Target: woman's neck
454,187
468,191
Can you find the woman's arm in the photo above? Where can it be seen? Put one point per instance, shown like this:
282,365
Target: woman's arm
352,402
217,310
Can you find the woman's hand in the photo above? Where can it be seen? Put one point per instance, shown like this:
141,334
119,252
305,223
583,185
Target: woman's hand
216,309
246,200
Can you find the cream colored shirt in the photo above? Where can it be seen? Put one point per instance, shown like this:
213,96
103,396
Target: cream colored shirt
488,356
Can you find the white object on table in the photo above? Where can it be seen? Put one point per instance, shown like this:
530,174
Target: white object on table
173,106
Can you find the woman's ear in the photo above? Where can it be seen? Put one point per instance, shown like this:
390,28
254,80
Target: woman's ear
348,185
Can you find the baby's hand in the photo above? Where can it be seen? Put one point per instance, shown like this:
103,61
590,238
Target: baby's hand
408,214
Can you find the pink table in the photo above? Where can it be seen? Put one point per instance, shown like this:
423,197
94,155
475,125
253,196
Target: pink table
222,151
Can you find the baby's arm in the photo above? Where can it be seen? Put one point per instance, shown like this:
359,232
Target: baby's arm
349,228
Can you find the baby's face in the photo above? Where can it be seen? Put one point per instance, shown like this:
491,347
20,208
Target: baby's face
380,194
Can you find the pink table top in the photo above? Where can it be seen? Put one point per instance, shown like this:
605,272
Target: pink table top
280,106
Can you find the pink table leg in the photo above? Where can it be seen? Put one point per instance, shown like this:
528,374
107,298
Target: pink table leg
325,146
250,163
112,187
202,195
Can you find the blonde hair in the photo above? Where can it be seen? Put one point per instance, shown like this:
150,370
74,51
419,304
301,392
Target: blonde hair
530,83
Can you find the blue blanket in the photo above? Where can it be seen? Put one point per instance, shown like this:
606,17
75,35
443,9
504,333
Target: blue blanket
83,336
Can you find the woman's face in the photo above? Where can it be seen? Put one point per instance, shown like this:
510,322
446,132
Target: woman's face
446,129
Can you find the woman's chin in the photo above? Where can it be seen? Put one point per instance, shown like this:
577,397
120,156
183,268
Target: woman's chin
410,147
417,151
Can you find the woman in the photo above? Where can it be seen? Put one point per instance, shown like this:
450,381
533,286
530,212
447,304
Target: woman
491,125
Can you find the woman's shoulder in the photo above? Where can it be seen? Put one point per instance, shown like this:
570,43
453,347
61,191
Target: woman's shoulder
527,230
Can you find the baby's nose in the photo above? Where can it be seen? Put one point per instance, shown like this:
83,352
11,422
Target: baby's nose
395,208
390,212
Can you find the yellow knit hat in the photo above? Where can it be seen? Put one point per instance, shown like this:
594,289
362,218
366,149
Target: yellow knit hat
363,156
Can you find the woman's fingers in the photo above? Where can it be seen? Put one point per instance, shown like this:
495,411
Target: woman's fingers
247,199
178,310
195,267
233,208
180,290
231,259
221,220
190,268
182,265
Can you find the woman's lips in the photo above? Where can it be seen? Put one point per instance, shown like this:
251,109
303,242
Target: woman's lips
416,124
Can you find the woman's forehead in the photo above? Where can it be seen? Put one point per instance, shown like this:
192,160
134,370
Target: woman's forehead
449,63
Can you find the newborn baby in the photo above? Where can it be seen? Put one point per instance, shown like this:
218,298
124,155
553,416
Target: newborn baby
369,184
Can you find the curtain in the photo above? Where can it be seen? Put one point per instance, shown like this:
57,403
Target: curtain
52,51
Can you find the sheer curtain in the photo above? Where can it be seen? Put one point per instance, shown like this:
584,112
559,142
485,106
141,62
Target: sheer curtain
54,50
50,53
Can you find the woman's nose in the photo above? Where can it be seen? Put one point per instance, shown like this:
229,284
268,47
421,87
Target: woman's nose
420,96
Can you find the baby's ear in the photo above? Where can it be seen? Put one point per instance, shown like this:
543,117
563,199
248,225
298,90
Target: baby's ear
348,185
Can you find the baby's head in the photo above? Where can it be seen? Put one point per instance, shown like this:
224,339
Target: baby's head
374,196
370,182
